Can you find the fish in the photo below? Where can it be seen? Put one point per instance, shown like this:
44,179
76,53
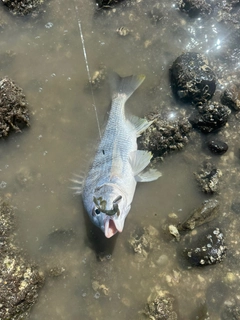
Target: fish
110,184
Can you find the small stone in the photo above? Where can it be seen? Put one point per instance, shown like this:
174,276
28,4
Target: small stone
174,231
205,248
123,31
217,146
211,117
208,177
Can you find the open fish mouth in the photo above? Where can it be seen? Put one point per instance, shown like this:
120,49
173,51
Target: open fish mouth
110,228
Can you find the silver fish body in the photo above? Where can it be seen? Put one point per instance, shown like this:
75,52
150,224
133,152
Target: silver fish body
117,167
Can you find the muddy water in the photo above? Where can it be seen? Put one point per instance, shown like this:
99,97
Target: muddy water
36,165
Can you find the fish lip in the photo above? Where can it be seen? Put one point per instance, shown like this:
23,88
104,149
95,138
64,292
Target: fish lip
110,228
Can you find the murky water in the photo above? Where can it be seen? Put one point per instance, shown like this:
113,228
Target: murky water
36,165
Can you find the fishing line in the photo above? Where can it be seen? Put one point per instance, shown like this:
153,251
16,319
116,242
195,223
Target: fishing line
87,66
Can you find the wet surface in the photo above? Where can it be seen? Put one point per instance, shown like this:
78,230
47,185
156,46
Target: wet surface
94,277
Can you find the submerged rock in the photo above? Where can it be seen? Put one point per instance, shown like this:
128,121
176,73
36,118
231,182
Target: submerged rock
217,146
164,136
98,77
192,78
106,3
14,114
231,312
20,279
143,240
231,97
163,307
208,177
207,212
211,116
195,8
205,248
23,7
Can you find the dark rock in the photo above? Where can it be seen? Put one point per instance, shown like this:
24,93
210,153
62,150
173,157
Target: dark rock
236,207
106,3
164,136
195,8
231,97
13,108
192,78
217,146
162,307
208,177
211,116
23,7
205,248
20,279
208,211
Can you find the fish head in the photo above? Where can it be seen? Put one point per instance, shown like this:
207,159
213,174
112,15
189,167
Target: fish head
109,209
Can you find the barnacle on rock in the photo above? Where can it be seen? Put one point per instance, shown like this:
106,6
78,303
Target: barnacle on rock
14,114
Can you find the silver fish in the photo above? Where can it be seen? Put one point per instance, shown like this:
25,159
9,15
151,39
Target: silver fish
117,167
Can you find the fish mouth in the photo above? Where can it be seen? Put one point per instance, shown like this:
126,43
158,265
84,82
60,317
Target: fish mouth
111,228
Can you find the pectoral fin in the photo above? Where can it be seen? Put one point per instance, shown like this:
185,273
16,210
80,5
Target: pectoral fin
139,159
139,124
147,176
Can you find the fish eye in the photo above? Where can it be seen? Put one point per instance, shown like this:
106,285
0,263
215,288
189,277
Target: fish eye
97,211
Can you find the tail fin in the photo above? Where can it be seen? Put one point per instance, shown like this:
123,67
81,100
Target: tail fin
124,87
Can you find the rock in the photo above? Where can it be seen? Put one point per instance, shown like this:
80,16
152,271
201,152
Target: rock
208,211
104,4
192,78
174,231
231,97
20,279
162,307
211,116
143,240
195,8
205,248
123,31
208,177
217,146
14,114
98,77
23,7
164,136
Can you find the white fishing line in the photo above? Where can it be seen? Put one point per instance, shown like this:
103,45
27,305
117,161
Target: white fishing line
87,66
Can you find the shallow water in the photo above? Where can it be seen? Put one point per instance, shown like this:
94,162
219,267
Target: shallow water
36,165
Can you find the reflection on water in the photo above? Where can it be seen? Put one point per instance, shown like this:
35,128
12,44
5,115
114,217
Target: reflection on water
101,278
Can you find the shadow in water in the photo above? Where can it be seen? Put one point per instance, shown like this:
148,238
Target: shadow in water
96,239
